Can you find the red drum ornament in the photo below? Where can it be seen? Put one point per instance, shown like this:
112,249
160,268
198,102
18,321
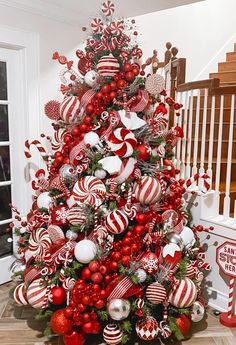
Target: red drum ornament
148,191
108,66
116,222
147,328
112,334
156,293
20,295
70,110
184,294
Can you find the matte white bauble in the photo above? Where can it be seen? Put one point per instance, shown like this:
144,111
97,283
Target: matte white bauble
85,251
71,235
187,236
111,164
91,139
100,173
90,78
44,200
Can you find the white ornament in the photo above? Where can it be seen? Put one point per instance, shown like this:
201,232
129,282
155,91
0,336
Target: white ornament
44,200
198,311
141,275
71,235
132,121
85,251
91,139
90,78
188,238
111,164
100,173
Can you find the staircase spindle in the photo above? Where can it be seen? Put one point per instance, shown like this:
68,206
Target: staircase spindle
189,139
184,141
203,143
195,145
226,214
178,149
211,138
219,148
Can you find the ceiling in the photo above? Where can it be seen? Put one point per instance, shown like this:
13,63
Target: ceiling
77,12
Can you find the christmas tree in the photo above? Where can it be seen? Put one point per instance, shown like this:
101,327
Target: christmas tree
107,247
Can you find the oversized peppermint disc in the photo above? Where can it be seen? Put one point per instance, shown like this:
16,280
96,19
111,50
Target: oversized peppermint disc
155,293
108,66
97,25
39,241
122,142
108,8
147,328
148,191
57,141
112,334
116,222
155,83
37,293
184,294
90,190
117,27
76,216
55,233
20,295
70,110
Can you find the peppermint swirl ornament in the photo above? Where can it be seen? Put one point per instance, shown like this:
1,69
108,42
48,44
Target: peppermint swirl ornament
183,294
97,25
20,295
108,8
116,28
155,83
39,241
148,191
116,222
70,109
37,294
89,190
122,142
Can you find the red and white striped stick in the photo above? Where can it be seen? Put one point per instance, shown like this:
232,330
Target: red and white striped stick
38,145
231,295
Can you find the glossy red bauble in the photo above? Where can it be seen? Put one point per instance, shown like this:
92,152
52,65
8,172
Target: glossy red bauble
129,76
113,265
125,260
89,108
97,277
103,269
75,132
58,295
143,152
121,83
86,273
106,88
139,230
87,327
68,312
94,266
141,218
73,338
127,67
59,323
183,323
113,85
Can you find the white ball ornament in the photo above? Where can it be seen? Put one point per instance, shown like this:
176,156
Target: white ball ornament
100,173
90,78
198,311
118,308
44,200
85,251
141,275
71,235
91,139
188,238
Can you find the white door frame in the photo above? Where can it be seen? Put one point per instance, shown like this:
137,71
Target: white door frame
26,46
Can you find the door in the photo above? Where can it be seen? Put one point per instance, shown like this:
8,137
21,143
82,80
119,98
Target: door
9,136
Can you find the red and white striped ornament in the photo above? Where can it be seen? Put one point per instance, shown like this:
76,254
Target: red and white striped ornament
108,66
122,142
57,141
184,294
76,216
147,328
30,274
142,103
117,27
55,233
20,294
148,190
116,222
190,271
37,144
39,241
97,25
37,294
156,293
70,110
52,110
108,8
90,190
149,262
139,303
112,334
137,53
155,83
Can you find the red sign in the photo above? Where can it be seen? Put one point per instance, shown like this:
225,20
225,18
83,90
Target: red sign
226,258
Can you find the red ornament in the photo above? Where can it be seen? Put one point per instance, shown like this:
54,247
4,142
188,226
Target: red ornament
149,262
94,266
147,329
86,273
59,323
141,218
59,215
183,323
73,338
58,295
97,277
139,230
143,152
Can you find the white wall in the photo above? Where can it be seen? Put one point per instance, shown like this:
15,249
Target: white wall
199,30
53,36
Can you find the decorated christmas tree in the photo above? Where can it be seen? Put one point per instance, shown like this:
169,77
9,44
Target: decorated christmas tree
107,246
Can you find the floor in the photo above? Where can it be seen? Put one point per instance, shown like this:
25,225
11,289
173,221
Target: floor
18,327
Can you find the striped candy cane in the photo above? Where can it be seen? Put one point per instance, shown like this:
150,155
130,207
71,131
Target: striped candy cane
231,295
38,145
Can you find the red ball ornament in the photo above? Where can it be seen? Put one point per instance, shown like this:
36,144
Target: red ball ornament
59,323
143,152
141,218
73,338
58,295
139,230
106,88
121,84
87,327
113,85
183,323
127,67
69,311
97,277
86,273
89,108
94,266
129,76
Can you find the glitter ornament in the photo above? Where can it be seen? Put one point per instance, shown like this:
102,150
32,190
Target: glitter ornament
155,83
147,328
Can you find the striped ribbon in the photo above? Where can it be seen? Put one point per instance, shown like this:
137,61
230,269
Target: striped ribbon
121,288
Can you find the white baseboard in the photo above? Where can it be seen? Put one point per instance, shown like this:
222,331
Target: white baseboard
218,303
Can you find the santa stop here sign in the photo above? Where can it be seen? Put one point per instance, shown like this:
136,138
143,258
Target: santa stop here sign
226,258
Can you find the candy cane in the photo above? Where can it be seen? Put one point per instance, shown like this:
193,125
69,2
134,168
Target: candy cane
38,145
162,183
71,72
201,264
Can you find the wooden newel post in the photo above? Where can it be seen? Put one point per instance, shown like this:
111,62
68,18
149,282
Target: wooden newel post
226,259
